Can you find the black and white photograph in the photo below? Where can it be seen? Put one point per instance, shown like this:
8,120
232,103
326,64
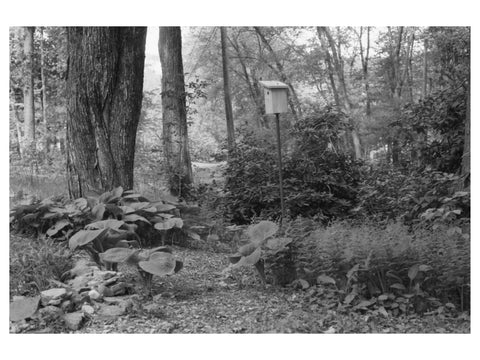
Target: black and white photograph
239,179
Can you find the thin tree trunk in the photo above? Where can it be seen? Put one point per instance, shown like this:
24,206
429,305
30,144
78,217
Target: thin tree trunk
104,97
466,146
226,91
44,93
28,97
425,68
365,58
330,69
175,129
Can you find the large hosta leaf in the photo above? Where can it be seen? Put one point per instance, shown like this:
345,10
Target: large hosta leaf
160,249
23,308
59,225
159,263
105,224
118,255
169,224
164,207
83,237
277,244
249,260
135,217
261,231
98,211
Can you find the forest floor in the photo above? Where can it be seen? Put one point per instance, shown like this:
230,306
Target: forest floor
200,299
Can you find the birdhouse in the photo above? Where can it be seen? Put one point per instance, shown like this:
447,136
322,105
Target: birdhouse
275,97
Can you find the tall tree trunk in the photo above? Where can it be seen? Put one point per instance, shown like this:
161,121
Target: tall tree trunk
365,58
425,68
175,129
226,91
337,64
293,100
28,95
104,98
44,93
330,69
466,145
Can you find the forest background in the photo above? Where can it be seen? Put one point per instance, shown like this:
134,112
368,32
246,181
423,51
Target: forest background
6,141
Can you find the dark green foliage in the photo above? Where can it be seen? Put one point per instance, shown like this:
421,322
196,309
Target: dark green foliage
431,132
423,196
319,179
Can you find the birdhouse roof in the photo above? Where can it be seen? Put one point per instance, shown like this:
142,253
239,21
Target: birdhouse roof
274,84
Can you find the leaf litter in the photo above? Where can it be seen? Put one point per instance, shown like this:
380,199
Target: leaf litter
201,299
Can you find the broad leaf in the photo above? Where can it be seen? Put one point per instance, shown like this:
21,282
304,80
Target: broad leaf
164,207
324,279
398,286
249,260
98,211
84,237
127,209
138,205
59,225
131,196
277,244
160,249
193,235
135,217
261,231
23,308
424,268
116,193
349,298
169,224
159,263
117,255
105,224
413,271
81,203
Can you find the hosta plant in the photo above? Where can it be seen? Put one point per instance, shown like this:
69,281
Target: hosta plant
158,261
260,244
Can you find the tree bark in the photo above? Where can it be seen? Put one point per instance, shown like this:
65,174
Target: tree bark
425,68
330,69
226,91
365,58
28,97
466,145
104,98
175,130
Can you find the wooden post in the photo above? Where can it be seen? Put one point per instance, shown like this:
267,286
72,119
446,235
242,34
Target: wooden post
280,179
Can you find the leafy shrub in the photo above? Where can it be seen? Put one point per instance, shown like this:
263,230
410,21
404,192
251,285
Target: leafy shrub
320,179
418,197
34,263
